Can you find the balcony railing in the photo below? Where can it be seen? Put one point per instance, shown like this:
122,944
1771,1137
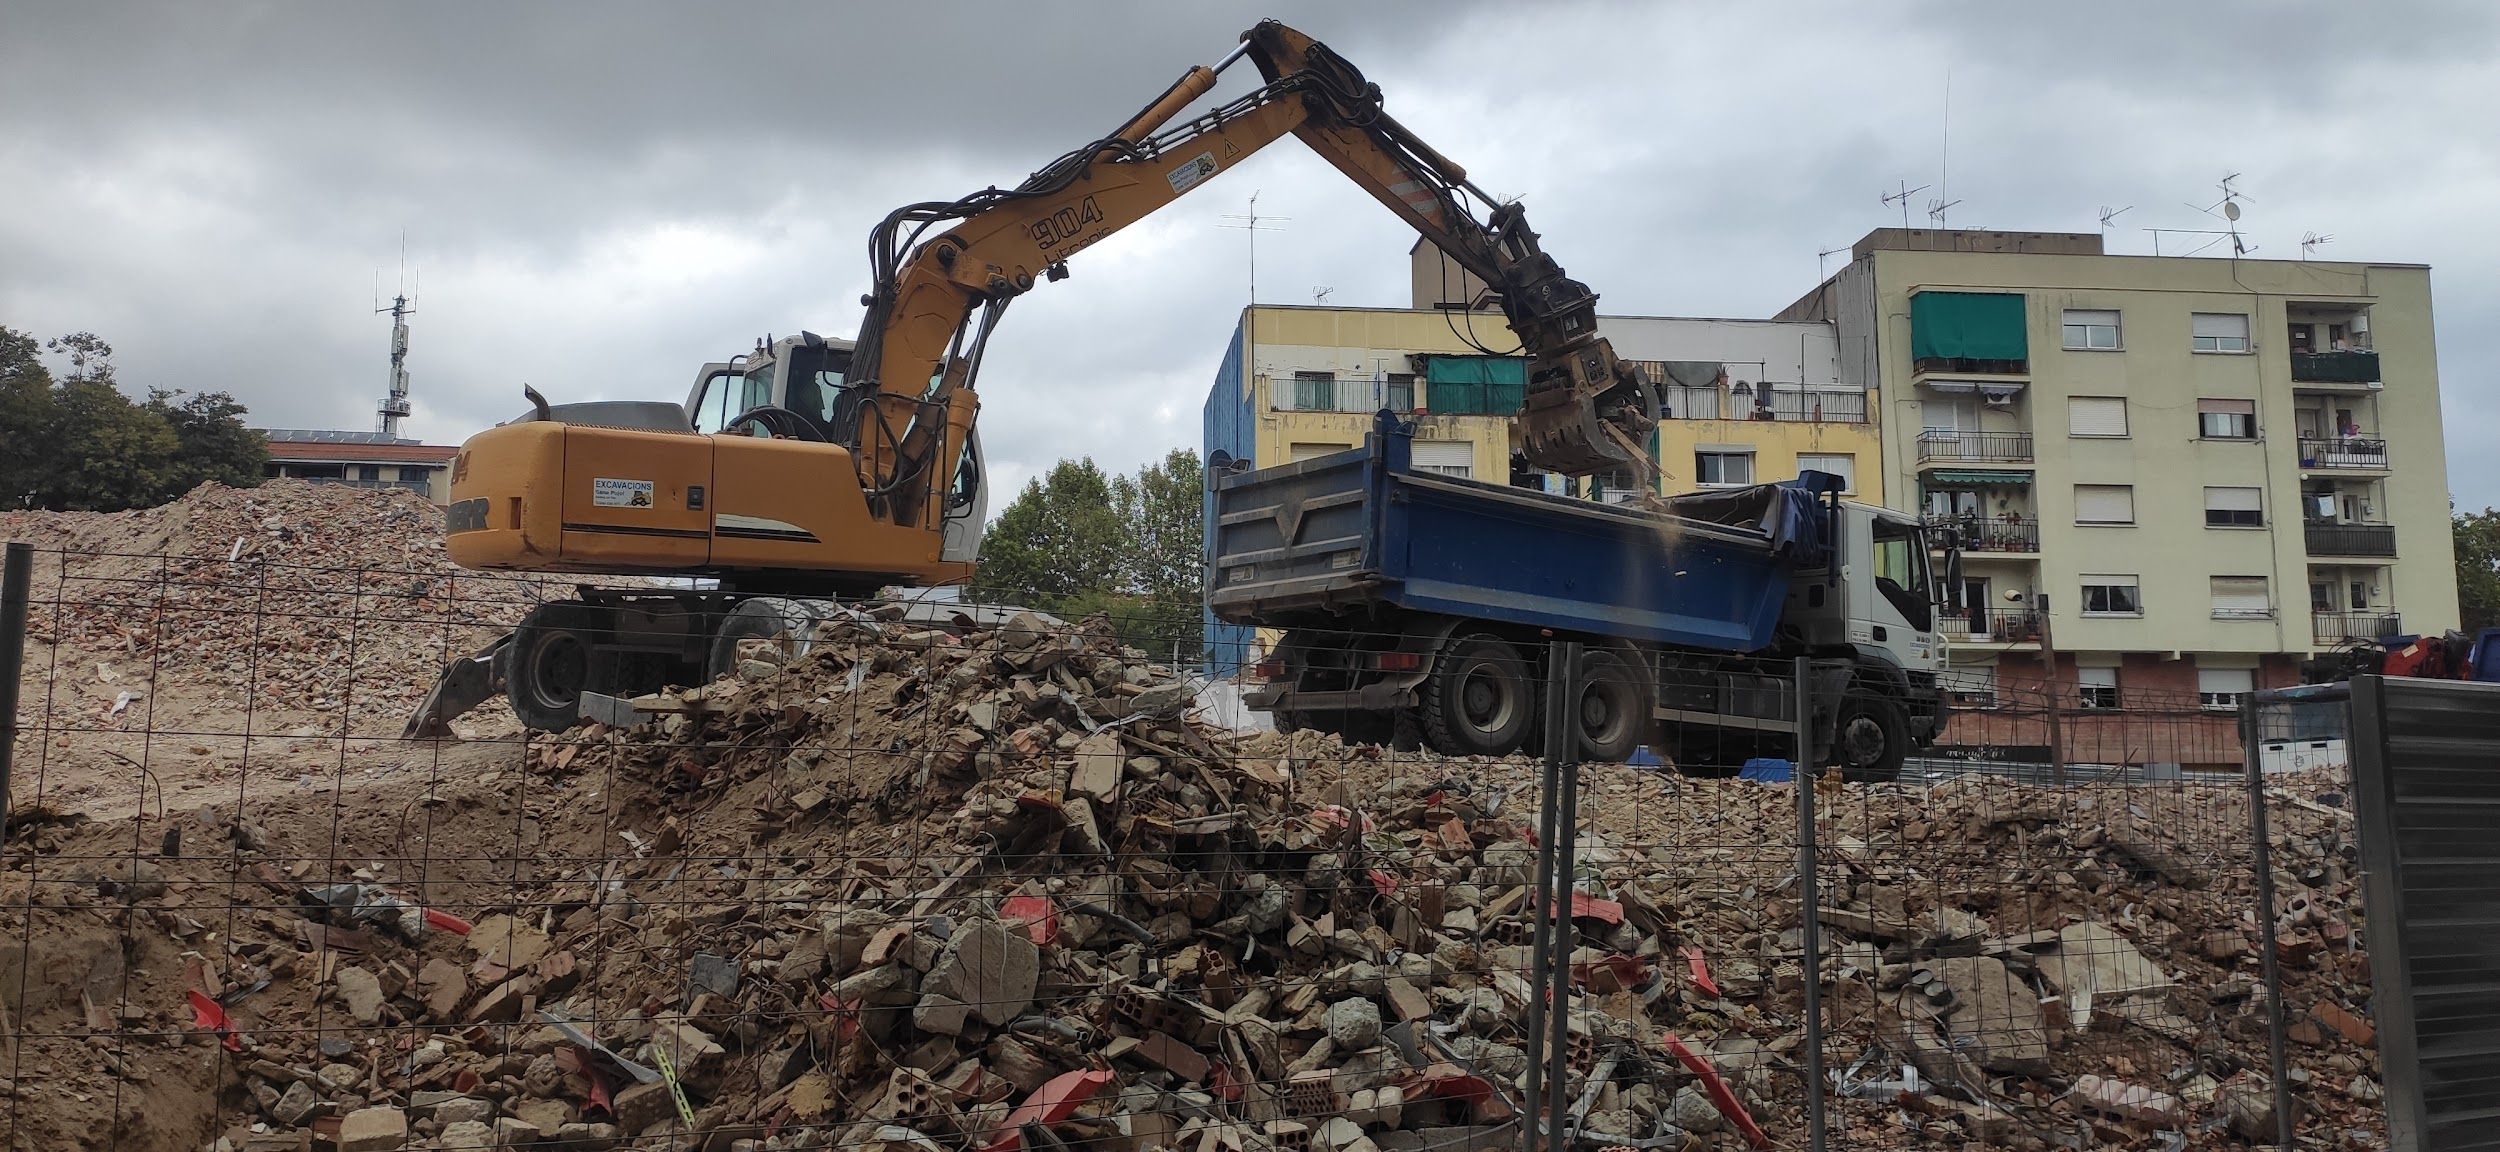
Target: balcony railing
2335,367
1677,403
1991,534
2001,447
2337,627
2343,452
1990,625
2349,539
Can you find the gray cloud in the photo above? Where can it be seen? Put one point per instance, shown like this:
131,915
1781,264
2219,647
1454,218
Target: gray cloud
602,196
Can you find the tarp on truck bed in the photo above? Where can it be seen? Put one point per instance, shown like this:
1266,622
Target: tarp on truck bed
1789,514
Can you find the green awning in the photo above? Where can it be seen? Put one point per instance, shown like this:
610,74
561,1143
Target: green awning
1967,326
1978,477
1475,385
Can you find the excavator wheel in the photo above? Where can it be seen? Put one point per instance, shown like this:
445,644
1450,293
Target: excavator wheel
1479,701
546,667
786,628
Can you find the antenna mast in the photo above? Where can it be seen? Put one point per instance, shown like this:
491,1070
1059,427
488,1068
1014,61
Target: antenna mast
1254,224
395,405
1902,198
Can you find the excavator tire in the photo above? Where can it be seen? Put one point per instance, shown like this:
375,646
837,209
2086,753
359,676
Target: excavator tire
788,625
546,667
1480,700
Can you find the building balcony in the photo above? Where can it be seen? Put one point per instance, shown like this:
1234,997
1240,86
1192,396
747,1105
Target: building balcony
1992,535
2325,539
2337,627
1974,448
2335,368
1835,407
2345,453
1990,625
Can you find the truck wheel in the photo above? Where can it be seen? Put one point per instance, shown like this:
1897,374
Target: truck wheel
1478,703
1613,711
790,628
1871,739
545,669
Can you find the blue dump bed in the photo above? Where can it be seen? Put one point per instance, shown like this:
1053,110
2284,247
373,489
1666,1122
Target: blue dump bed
1362,530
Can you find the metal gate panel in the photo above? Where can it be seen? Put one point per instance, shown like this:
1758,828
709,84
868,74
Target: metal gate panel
2426,775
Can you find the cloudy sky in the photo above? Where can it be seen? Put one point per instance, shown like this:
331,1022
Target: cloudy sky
598,197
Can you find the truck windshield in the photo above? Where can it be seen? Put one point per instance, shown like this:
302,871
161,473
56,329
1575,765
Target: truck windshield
1901,571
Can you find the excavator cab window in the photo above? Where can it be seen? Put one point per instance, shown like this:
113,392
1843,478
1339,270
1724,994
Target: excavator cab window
717,404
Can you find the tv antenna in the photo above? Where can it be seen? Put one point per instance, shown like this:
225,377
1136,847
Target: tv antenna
2228,208
2108,216
1936,210
1319,293
394,406
1902,198
1820,258
1253,223
2309,242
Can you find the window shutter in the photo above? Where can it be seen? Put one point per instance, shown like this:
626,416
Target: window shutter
2240,596
2227,407
2234,500
2220,681
2104,504
2220,324
2096,415
1842,465
1449,457
2096,677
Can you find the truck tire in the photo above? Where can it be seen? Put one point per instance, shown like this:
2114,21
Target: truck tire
545,669
1613,710
1479,701
786,622
1871,738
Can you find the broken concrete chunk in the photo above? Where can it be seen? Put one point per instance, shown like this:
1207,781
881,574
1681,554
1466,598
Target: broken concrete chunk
989,968
373,1130
1353,1024
361,992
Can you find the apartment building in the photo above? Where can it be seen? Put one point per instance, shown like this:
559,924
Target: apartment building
2205,469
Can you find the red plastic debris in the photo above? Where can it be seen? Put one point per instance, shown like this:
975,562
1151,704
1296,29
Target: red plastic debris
1720,1098
1587,907
207,1013
1037,914
436,918
1387,884
1052,1103
1701,970
1227,1085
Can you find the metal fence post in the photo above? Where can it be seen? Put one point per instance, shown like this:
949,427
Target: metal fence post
2262,851
1809,902
17,577
1562,752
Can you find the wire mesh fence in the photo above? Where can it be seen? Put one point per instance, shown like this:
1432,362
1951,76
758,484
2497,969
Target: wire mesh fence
933,877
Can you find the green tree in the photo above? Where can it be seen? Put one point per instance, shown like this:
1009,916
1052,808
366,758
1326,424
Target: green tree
216,444
107,454
26,417
1162,517
1057,540
2478,567
1078,542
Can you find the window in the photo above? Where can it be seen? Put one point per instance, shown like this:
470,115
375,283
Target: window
2092,331
2226,419
2220,689
2097,686
372,472
1841,464
2241,598
2096,415
1948,416
1401,392
1446,457
2234,508
1314,392
1972,687
712,409
2321,596
2360,593
2219,331
2112,596
2104,504
1723,469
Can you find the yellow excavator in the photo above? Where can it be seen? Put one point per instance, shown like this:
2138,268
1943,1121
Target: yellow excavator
814,469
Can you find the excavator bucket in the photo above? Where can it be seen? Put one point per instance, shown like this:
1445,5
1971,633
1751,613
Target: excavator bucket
1597,422
468,682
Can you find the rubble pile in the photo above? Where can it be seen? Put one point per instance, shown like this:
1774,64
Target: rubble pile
294,598
955,889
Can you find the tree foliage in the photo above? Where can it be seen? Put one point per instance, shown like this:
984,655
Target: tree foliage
78,442
2478,567
1077,541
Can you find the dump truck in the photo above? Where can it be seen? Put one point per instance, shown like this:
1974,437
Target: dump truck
1417,606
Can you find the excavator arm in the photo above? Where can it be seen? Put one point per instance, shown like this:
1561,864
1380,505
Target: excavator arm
934,301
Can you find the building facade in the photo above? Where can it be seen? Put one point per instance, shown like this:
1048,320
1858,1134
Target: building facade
2210,468
364,459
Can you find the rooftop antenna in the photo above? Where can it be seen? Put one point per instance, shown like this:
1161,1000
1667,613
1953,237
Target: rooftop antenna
403,305
2229,209
1944,158
1319,293
1902,198
1822,258
2108,216
2309,242
1253,223
1937,208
